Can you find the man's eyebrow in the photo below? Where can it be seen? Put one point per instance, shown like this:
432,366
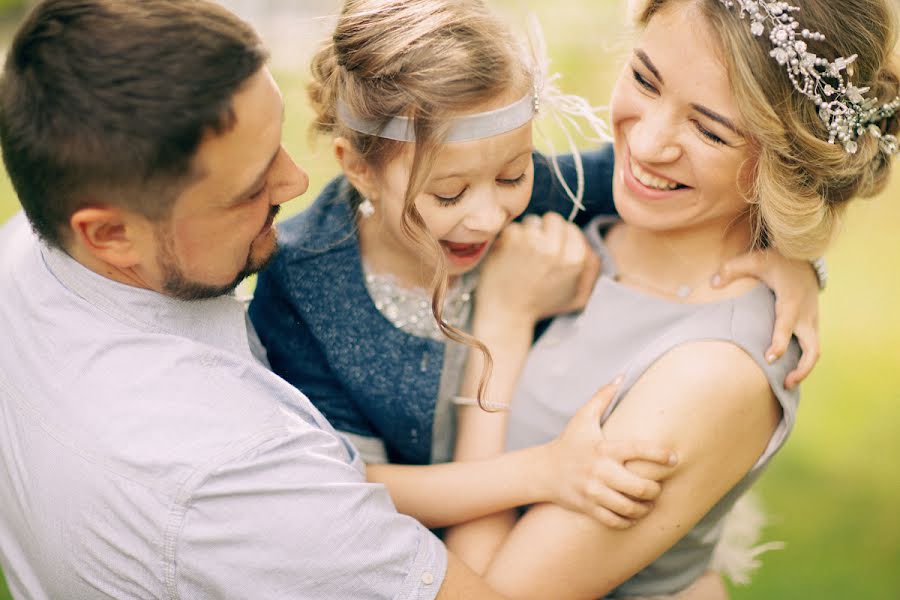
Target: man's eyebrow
717,117
649,64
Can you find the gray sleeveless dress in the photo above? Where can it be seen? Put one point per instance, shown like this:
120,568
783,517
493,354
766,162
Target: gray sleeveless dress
623,330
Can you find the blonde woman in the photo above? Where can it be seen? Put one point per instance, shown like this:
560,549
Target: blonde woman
738,125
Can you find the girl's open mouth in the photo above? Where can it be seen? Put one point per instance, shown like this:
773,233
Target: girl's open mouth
464,254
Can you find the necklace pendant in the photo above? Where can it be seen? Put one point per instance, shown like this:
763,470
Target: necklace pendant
683,291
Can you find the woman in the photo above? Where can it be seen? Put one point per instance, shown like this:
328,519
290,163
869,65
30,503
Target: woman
723,128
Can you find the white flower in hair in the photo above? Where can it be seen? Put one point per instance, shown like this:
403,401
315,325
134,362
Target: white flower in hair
844,109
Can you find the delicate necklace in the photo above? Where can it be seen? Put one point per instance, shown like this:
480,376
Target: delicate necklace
682,291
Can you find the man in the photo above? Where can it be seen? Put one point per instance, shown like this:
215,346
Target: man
145,452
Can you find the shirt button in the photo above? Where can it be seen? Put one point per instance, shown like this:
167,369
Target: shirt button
427,578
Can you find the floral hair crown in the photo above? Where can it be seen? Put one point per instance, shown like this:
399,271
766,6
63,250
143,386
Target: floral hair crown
843,107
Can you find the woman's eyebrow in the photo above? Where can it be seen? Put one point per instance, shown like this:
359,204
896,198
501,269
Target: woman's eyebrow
717,118
649,64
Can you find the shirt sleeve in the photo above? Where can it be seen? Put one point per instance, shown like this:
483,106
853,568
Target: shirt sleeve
548,193
371,449
289,518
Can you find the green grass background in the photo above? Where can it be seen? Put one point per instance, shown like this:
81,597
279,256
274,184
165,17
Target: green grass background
833,493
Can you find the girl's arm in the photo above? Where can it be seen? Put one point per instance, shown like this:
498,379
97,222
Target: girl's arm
712,404
796,285
794,282
610,487
557,278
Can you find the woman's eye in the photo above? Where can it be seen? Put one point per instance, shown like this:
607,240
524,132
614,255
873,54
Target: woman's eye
709,134
513,182
642,81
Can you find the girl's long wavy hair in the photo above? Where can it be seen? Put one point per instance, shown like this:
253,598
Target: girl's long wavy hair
428,60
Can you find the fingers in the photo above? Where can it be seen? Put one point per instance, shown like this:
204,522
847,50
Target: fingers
786,316
599,402
618,504
610,519
617,477
751,264
624,451
809,344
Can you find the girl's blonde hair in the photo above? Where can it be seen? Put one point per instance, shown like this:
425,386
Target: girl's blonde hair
801,184
429,60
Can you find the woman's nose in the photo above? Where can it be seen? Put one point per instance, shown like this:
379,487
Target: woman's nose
653,139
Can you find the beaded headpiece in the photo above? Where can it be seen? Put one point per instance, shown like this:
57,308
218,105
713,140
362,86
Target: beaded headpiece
846,111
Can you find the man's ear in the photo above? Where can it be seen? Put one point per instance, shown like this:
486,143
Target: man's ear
110,234
358,172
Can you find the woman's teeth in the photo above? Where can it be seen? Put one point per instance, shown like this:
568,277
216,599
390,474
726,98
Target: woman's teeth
652,181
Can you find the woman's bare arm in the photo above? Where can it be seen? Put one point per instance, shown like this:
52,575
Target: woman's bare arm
712,405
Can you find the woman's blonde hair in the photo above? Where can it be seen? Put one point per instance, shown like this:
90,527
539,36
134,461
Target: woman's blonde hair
429,60
801,183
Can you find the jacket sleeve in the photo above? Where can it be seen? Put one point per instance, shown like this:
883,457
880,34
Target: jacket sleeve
548,193
295,355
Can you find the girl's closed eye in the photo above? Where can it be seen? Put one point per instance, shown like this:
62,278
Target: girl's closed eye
513,181
449,200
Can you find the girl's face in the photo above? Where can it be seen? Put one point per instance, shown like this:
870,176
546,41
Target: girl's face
680,145
474,190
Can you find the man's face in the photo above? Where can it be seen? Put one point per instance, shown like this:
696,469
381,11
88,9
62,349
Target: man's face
221,226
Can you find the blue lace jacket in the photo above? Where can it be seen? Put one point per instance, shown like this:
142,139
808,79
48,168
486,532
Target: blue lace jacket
324,335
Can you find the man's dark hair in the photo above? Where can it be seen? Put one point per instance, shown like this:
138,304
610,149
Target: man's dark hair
106,102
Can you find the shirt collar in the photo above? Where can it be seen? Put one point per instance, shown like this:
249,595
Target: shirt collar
220,322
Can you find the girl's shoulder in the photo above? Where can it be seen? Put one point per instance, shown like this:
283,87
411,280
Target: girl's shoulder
324,228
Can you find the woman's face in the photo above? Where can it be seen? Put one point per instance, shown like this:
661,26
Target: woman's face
679,140
474,190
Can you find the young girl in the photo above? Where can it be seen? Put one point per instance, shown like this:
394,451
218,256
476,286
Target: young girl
430,103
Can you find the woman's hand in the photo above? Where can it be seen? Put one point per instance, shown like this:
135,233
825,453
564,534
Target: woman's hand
538,268
588,474
796,290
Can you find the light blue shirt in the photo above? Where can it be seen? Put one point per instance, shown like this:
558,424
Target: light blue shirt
145,453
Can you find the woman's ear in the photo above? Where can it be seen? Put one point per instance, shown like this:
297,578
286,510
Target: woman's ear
358,172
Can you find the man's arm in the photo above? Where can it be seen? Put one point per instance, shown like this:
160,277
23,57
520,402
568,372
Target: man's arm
284,515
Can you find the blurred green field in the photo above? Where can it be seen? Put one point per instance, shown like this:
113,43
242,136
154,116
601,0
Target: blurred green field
834,491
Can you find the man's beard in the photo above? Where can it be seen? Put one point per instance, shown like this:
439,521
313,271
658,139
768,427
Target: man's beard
177,285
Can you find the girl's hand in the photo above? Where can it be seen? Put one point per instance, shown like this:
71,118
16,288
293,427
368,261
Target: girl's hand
796,290
588,474
538,268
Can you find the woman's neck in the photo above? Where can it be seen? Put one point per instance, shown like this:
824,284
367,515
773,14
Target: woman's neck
678,262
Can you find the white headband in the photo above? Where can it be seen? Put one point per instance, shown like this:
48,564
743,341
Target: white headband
462,129
564,111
